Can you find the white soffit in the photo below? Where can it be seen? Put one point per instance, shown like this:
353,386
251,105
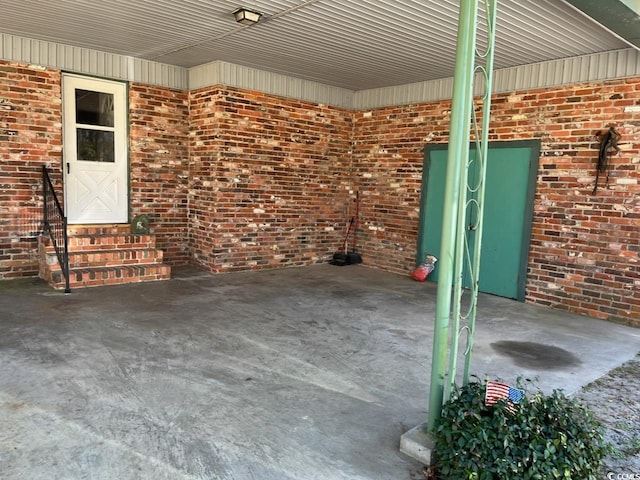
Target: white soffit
350,44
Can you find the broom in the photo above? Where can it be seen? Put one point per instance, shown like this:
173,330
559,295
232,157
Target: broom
341,258
353,257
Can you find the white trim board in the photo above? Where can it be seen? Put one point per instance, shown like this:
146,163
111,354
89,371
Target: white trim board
90,62
587,68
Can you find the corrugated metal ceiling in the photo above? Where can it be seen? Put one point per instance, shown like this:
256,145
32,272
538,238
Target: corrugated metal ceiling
355,44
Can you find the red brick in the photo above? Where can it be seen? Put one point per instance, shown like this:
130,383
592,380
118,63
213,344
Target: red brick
236,179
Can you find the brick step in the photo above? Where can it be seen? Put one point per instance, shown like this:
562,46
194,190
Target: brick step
114,275
103,255
73,230
107,242
106,258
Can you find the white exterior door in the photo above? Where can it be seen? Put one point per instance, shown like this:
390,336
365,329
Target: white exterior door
95,150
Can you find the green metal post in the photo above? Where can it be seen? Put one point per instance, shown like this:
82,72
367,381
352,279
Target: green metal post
458,139
482,147
461,247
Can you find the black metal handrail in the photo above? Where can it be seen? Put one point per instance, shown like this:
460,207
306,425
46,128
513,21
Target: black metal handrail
55,224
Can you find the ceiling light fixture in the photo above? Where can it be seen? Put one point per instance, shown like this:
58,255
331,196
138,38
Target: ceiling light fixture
245,16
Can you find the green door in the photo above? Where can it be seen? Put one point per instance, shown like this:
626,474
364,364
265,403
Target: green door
508,210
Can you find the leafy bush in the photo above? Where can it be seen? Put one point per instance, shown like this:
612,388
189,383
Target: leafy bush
544,437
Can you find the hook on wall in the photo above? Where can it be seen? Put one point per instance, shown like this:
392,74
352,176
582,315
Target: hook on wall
608,142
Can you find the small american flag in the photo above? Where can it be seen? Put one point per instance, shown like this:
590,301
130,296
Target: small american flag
501,391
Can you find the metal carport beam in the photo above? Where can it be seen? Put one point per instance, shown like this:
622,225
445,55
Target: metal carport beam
621,17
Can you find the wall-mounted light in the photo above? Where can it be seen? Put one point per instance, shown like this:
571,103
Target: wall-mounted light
246,16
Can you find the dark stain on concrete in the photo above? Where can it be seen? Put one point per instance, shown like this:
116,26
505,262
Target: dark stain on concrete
536,355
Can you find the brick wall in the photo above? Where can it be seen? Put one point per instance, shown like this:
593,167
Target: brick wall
585,248
269,179
159,165
236,179
30,136
388,172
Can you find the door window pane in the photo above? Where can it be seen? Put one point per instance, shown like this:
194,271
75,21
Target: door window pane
94,108
95,145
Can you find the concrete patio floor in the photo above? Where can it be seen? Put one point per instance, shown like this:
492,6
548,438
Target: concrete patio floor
305,373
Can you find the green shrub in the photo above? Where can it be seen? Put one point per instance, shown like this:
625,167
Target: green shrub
545,437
